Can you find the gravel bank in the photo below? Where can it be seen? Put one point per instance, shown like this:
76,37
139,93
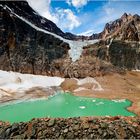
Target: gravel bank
89,128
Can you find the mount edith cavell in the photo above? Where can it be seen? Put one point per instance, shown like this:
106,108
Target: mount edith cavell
33,44
74,86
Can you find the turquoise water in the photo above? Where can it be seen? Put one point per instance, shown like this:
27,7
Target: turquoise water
63,105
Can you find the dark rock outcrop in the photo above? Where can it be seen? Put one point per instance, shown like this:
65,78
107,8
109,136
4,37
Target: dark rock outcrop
25,49
122,54
125,54
23,9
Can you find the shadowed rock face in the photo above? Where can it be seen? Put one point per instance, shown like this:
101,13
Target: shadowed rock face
122,54
23,9
126,55
24,49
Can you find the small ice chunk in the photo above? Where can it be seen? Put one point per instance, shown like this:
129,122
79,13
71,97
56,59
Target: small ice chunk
93,100
119,101
100,103
82,107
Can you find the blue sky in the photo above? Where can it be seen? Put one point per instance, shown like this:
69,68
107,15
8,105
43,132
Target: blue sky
84,16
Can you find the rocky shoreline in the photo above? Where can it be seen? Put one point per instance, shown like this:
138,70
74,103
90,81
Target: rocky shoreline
81,128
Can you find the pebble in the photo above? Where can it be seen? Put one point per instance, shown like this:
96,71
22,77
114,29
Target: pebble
70,135
66,130
76,127
14,127
100,131
7,132
40,133
103,125
57,134
51,122
132,130
70,128
86,125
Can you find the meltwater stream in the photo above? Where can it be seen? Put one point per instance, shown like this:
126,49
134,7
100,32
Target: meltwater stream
64,105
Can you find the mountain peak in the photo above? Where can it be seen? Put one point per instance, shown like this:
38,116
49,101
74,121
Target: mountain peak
123,27
124,15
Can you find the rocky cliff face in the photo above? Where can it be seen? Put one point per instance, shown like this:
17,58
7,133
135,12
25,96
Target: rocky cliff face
125,54
24,49
122,54
31,46
23,9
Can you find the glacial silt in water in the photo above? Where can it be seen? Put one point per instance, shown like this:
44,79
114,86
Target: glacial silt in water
64,105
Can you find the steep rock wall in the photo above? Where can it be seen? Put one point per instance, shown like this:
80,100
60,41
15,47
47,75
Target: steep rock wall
24,49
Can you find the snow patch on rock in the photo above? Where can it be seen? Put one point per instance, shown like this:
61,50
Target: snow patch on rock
80,89
110,43
92,81
137,70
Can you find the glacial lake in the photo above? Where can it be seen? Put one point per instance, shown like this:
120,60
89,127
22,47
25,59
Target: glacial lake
64,105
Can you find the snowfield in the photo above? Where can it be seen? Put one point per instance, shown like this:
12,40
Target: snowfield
13,82
16,82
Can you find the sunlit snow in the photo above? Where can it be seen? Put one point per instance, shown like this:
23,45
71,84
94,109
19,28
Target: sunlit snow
90,80
13,81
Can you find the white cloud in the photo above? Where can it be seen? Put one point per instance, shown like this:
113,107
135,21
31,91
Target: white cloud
87,33
68,19
64,18
77,3
43,8
109,10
